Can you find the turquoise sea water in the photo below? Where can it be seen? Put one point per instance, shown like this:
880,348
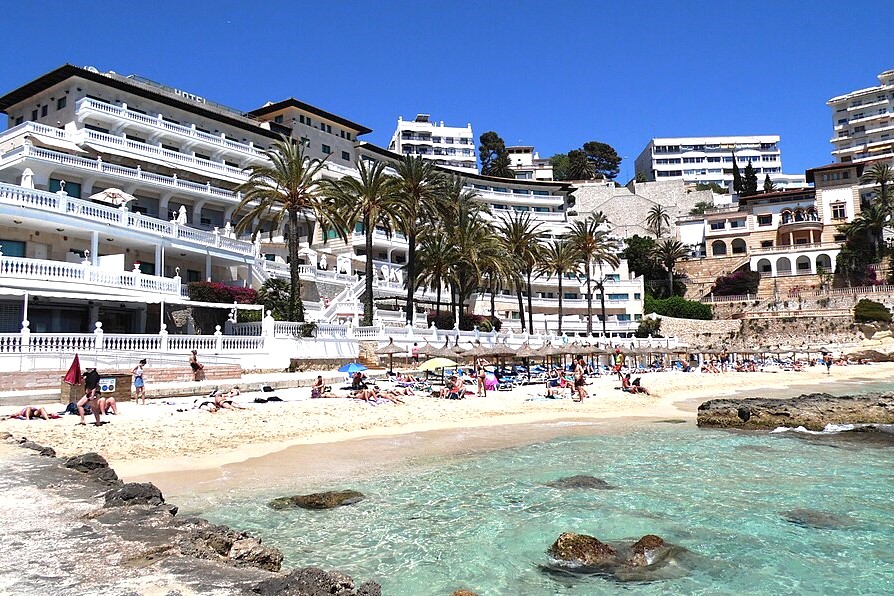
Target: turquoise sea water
483,521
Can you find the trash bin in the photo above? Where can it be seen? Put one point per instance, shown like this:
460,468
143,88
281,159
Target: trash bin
110,385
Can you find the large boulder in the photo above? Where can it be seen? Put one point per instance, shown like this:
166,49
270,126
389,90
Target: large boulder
324,500
249,552
646,550
44,451
812,411
581,550
580,481
134,493
307,581
86,462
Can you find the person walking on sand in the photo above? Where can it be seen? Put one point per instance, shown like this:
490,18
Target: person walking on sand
827,360
138,382
579,380
482,377
91,395
198,369
415,353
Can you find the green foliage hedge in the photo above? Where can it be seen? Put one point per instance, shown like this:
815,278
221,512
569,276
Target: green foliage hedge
677,307
868,311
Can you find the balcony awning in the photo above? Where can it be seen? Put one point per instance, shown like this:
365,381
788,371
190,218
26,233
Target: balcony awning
48,142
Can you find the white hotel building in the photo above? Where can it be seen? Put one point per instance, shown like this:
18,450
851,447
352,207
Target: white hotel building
705,160
450,146
69,261
863,122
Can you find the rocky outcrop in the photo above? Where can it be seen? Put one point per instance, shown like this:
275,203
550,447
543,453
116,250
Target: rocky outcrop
813,411
311,581
580,481
134,493
581,550
86,462
650,558
324,500
44,451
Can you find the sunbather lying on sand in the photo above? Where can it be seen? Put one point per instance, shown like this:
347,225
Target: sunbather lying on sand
373,395
29,412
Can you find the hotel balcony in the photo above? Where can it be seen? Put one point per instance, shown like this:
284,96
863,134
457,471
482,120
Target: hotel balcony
103,111
16,201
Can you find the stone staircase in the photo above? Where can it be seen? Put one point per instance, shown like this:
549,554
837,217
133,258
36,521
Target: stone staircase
700,274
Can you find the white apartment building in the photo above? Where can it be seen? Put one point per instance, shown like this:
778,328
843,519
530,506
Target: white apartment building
70,258
863,122
703,160
450,146
528,165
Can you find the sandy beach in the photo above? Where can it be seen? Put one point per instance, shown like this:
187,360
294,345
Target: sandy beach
169,436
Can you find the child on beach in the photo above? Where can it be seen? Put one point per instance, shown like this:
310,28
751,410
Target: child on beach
91,396
138,382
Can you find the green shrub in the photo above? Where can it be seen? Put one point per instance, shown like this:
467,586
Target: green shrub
736,283
677,307
649,327
868,311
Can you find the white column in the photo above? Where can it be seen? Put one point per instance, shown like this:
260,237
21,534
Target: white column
207,267
94,248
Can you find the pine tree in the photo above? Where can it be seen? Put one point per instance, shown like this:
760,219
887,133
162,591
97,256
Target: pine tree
749,184
768,184
737,177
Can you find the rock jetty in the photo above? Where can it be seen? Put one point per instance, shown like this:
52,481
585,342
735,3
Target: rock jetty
813,411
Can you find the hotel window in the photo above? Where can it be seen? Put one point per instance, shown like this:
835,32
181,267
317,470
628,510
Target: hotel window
33,115
766,243
278,119
73,189
569,295
839,211
19,120
737,223
305,141
840,237
346,156
718,225
44,110
764,220
637,296
327,149
171,148
61,102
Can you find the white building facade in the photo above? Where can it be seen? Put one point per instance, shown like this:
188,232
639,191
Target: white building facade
528,165
450,146
863,122
706,160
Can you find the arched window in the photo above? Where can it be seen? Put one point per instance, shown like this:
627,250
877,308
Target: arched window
799,215
786,216
764,266
783,266
718,248
738,246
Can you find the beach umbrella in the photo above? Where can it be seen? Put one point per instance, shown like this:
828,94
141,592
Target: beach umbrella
390,349
427,349
351,368
445,351
113,196
73,376
437,363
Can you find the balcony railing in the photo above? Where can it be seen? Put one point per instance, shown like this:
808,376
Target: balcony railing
796,247
17,268
157,122
59,203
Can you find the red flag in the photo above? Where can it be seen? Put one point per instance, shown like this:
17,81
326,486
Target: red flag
73,376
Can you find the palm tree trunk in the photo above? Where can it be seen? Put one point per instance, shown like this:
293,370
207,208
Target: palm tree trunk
530,309
670,282
601,287
521,309
560,304
438,300
589,301
493,301
296,309
368,292
411,275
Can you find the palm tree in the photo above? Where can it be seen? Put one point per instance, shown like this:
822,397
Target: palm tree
594,247
558,258
657,219
420,184
667,252
502,167
435,259
871,223
372,199
520,238
286,187
880,173
475,251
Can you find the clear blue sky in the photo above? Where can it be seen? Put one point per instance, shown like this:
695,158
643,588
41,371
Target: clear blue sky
553,74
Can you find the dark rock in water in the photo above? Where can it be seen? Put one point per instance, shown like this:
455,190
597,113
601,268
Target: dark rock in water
580,549
249,552
44,451
311,581
580,481
134,493
86,462
812,411
463,593
822,520
648,559
645,550
106,475
324,500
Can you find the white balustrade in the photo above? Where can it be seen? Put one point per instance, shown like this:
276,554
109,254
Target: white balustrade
132,343
39,269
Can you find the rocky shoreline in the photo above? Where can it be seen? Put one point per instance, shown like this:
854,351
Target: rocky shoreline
814,411
107,536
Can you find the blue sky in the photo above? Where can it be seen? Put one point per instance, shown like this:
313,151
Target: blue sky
553,74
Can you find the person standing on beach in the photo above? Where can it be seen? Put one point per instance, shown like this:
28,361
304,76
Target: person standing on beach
579,370
198,369
415,353
91,395
482,377
138,382
827,360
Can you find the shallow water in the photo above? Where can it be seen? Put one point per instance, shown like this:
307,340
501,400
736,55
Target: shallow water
483,521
